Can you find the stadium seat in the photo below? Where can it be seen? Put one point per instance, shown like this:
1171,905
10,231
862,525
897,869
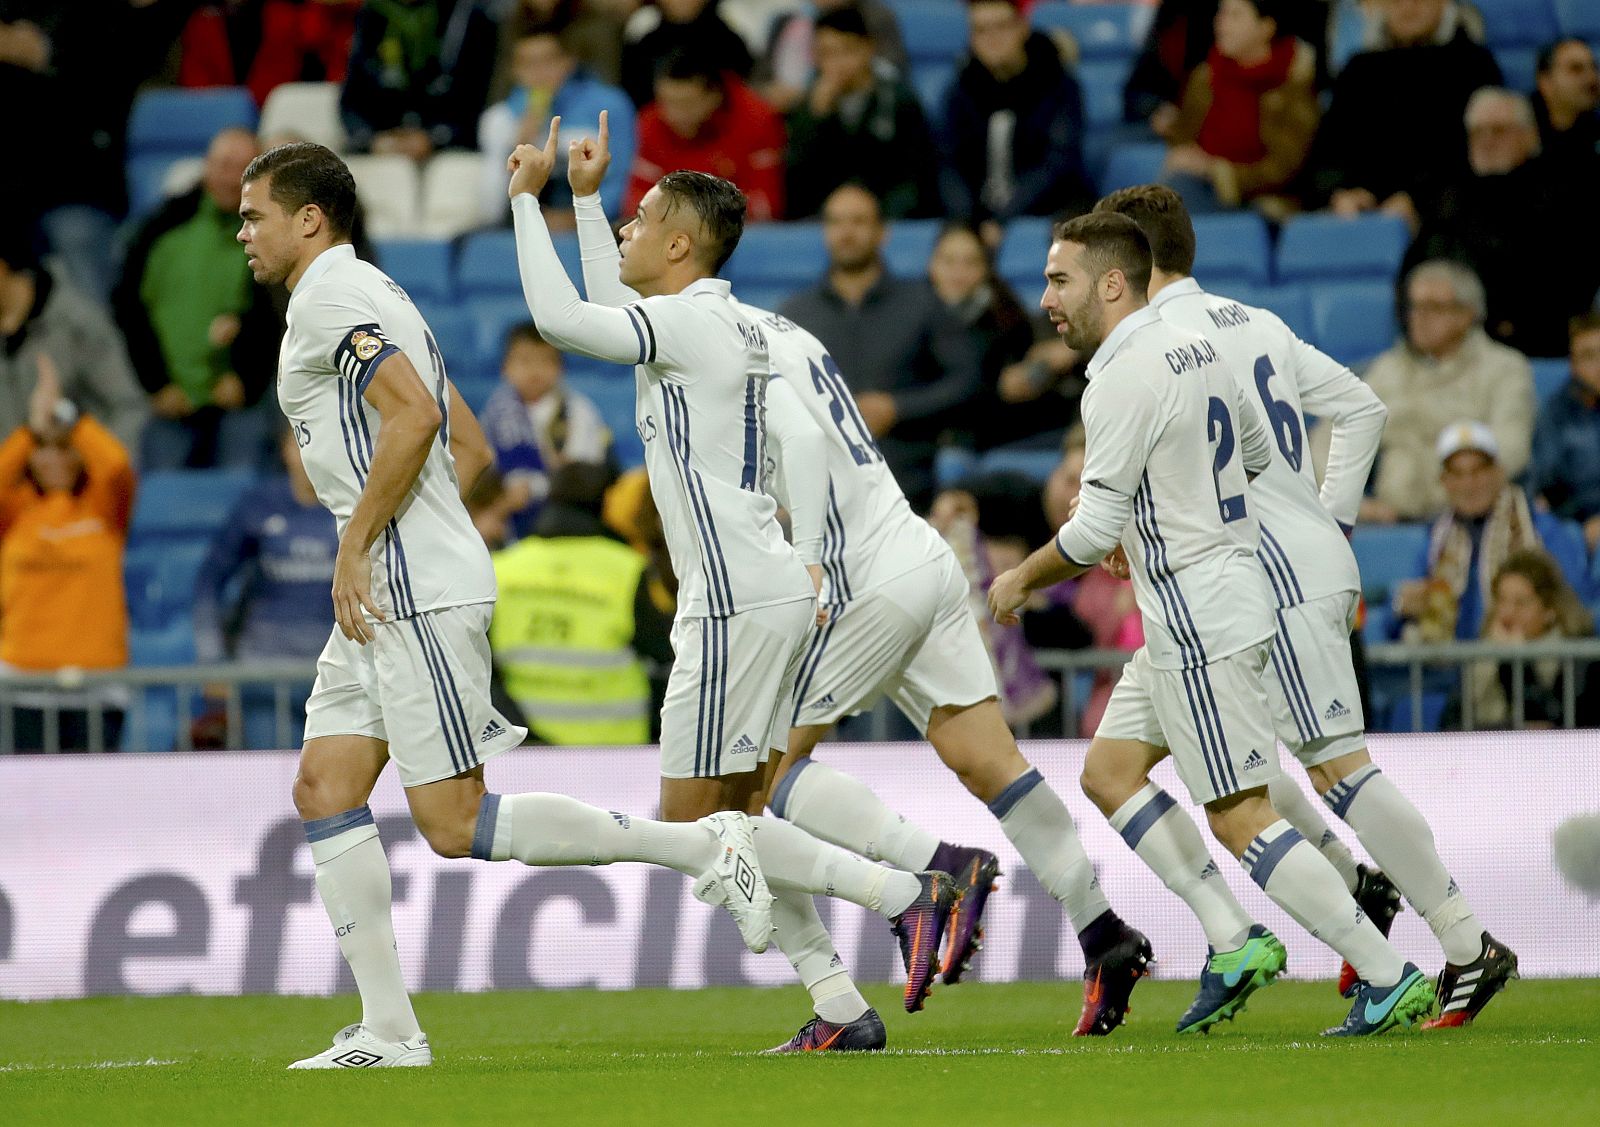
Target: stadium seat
159,581
492,317
1102,81
179,122
388,187
1293,304
420,266
1518,23
1101,30
1518,67
152,180
186,503
1130,164
172,644
1387,554
1354,321
933,30
307,110
476,390
1579,17
910,245
1022,254
451,194
1035,464
1322,247
457,337
1233,246
613,392
487,264
779,254
1549,377
1401,714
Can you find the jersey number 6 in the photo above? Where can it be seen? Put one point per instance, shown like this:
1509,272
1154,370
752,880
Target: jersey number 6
1219,430
1284,418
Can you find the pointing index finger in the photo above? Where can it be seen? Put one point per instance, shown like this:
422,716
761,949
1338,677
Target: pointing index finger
605,128
555,134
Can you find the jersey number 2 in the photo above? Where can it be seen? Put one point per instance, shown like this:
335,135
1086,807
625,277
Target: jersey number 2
1219,431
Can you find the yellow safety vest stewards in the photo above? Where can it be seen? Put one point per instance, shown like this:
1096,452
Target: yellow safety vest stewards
562,636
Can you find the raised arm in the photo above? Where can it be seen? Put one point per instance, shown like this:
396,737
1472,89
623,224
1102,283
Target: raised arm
1356,418
587,161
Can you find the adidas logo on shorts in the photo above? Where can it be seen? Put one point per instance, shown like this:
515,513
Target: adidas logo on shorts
744,745
491,730
825,702
1254,761
1336,710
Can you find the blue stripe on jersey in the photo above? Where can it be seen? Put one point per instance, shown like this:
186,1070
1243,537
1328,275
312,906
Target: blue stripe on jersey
408,603
713,561
650,330
670,407
1279,571
1165,566
1283,560
750,478
351,439
445,729
1148,536
637,331
453,696
1297,680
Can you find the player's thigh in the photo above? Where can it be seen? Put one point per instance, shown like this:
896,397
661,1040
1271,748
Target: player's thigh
345,744
1129,740
1218,723
950,668
1311,683
433,686
729,690
337,773
446,813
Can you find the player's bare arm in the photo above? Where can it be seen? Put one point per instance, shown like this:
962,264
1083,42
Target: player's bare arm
411,421
469,448
1045,568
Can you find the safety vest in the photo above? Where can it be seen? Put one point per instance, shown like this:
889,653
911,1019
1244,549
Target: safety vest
561,635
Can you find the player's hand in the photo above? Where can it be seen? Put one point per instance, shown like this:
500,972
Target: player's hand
1117,563
352,582
1006,595
588,158
530,167
46,394
815,571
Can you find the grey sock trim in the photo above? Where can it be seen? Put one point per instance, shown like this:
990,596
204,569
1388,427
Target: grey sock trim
779,802
1261,857
1343,793
483,835
321,829
1145,817
1016,792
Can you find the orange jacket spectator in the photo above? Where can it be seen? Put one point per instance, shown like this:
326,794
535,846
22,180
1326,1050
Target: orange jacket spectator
64,509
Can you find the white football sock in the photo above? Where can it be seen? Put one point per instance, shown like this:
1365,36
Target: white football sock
800,935
552,829
1302,882
1037,822
353,878
1400,841
793,859
1167,840
1290,800
838,808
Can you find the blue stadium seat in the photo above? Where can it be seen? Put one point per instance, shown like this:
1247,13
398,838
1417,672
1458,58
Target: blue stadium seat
1101,30
1549,377
1131,164
476,391
1232,246
1022,254
492,317
1102,81
910,245
160,579
488,262
456,335
932,82
1580,18
613,393
1387,554
1035,464
1354,321
146,178
186,503
1322,247
1518,67
1293,304
420,266
1349,33
1518,23
1402,719
178,122
933,30
172,644
779,254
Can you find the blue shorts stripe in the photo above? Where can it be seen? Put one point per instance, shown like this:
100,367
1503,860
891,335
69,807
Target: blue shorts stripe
453,695
705,685
721,626
819,646
1202,732
438,700
1288,696
1301,692
1224,761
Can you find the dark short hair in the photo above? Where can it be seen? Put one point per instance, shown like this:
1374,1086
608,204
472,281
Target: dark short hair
1160,214
1547,53
719,205
1583,323
523,332
304,173
847,19
857,186
1110,242
691,64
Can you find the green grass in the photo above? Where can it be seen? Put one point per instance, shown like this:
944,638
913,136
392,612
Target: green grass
979,1055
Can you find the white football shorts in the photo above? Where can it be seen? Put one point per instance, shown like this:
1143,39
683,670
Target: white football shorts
1311,681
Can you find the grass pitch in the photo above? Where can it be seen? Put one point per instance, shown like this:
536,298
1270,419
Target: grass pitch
979,1055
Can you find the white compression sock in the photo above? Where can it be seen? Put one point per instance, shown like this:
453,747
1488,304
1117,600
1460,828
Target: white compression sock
1167,840
1398,837
793,859
552,829
1037,822
800,935
840,809
1302,882
353,878
1290,800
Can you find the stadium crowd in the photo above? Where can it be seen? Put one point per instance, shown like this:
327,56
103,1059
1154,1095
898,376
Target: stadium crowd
902,159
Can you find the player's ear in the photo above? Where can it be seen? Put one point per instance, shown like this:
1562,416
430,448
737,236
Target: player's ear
311,219
679,247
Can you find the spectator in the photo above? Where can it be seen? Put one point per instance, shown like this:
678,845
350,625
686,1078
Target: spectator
962,274
860,122
670,26
1485,520
909,366
1248,114
536,425
1446,369
1564,472
705,120
1478,220
1567,104
550,82
264,43
575,623
203,337
44,315
1013,124
590,29
1531,603
788,64
419,76
66,493
263,592
1395,121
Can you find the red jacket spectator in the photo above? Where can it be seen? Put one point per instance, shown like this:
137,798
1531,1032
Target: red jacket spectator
707,121
267,44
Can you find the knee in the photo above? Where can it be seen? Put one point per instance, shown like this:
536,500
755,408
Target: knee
1107,784
317,796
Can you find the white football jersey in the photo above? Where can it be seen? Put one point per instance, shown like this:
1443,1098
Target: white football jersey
1304,551
345,318
1170,444
870,535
